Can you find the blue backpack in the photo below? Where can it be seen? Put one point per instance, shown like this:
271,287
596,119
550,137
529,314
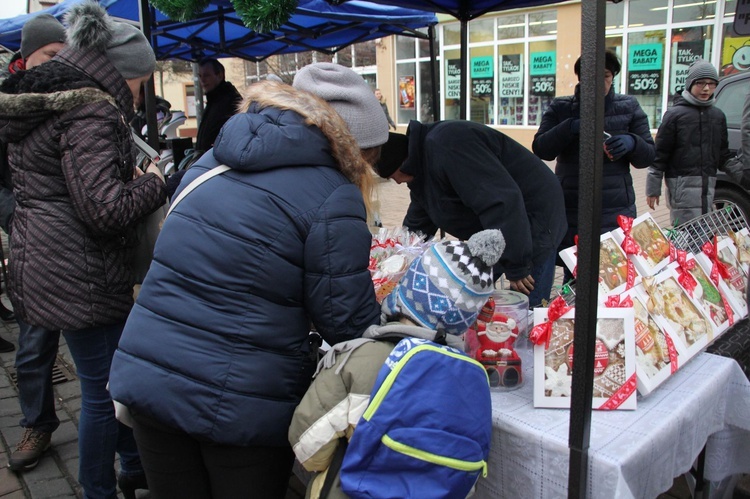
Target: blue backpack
427,429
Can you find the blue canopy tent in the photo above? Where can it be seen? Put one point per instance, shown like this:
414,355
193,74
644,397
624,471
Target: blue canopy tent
219,32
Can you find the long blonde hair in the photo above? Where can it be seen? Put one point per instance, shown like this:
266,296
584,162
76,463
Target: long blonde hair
317,112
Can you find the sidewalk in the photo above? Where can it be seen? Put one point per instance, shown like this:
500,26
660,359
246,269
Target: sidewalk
55,476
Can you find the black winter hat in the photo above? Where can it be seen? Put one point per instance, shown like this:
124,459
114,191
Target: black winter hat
392,154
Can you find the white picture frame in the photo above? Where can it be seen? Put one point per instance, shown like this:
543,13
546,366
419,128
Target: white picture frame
653,256
741,240
677,313
706,295
615,379
613,269
735,287
656,355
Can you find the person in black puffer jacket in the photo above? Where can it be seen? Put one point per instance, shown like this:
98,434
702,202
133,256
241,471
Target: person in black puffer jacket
630,144
691,145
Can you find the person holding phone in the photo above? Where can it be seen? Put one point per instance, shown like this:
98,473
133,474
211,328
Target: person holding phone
627,142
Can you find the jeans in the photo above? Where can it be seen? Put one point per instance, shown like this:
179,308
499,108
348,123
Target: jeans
100,435
37,349
543,275
178,465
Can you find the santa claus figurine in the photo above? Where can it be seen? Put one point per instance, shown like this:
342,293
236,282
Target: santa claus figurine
496,352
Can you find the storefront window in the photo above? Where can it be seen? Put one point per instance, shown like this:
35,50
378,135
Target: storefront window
735,52
512,59
452,34
510,27
426,109
615,16
481,30
647,13
542,23
452,84
512,80
365,54
406,92
405,47
645,72
693,10
482,84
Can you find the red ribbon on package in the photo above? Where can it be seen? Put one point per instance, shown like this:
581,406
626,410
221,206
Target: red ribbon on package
621,395
672,351
615,302
684,277
718,268
542,333
629,246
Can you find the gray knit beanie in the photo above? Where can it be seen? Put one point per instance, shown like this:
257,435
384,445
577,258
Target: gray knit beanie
700,70
40,31
90,27
130,52
350,95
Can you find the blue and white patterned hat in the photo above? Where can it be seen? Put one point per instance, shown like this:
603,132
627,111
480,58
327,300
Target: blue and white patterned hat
446,286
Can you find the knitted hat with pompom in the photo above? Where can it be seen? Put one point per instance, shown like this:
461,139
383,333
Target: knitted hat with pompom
448,284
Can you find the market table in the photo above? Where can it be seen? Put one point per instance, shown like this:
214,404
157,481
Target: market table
632,453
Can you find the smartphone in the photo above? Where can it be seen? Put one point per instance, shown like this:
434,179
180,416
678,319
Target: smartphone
146,154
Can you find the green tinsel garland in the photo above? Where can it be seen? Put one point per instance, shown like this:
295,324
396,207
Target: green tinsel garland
180,10
264,16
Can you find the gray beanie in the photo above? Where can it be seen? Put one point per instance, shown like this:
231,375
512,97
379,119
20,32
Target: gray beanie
130,52
700,70
90,27
40,31
350,95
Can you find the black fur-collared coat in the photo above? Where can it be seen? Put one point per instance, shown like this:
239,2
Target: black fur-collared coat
71,157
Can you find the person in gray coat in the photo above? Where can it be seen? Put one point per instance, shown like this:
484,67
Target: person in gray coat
691,145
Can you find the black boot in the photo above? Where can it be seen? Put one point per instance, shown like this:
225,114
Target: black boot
128,484
6,346
5,314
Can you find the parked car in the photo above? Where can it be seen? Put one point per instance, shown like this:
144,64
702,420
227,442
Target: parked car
730,98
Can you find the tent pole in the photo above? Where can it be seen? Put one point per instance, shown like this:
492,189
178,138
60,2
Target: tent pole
152,136
464,67
433,75
197,94
589,227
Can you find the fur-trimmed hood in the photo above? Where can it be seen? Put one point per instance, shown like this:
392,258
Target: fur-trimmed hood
274,118
22,113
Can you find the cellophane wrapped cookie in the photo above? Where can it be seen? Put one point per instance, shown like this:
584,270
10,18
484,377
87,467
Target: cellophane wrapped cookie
392,251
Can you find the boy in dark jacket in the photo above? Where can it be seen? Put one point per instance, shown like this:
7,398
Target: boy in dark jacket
691,146
465,177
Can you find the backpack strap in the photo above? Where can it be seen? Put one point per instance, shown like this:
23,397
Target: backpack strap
334,468
195,183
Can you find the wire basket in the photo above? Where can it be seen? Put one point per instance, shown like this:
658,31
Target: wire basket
692,235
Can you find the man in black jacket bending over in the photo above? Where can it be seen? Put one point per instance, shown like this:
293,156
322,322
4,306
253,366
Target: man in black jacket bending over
465,177
222,100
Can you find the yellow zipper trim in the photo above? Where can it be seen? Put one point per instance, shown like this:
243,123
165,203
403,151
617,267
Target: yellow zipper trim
391,378
448,462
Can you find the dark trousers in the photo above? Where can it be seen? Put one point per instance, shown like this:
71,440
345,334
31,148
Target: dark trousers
181,467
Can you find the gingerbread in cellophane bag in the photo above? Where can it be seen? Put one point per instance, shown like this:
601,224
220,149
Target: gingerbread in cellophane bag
391,253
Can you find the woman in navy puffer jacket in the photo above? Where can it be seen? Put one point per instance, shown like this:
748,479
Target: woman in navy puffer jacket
631,144
213,359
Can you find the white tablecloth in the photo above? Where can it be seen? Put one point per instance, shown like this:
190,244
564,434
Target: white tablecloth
632,453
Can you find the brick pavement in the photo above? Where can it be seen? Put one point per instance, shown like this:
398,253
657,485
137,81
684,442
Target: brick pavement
55,476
